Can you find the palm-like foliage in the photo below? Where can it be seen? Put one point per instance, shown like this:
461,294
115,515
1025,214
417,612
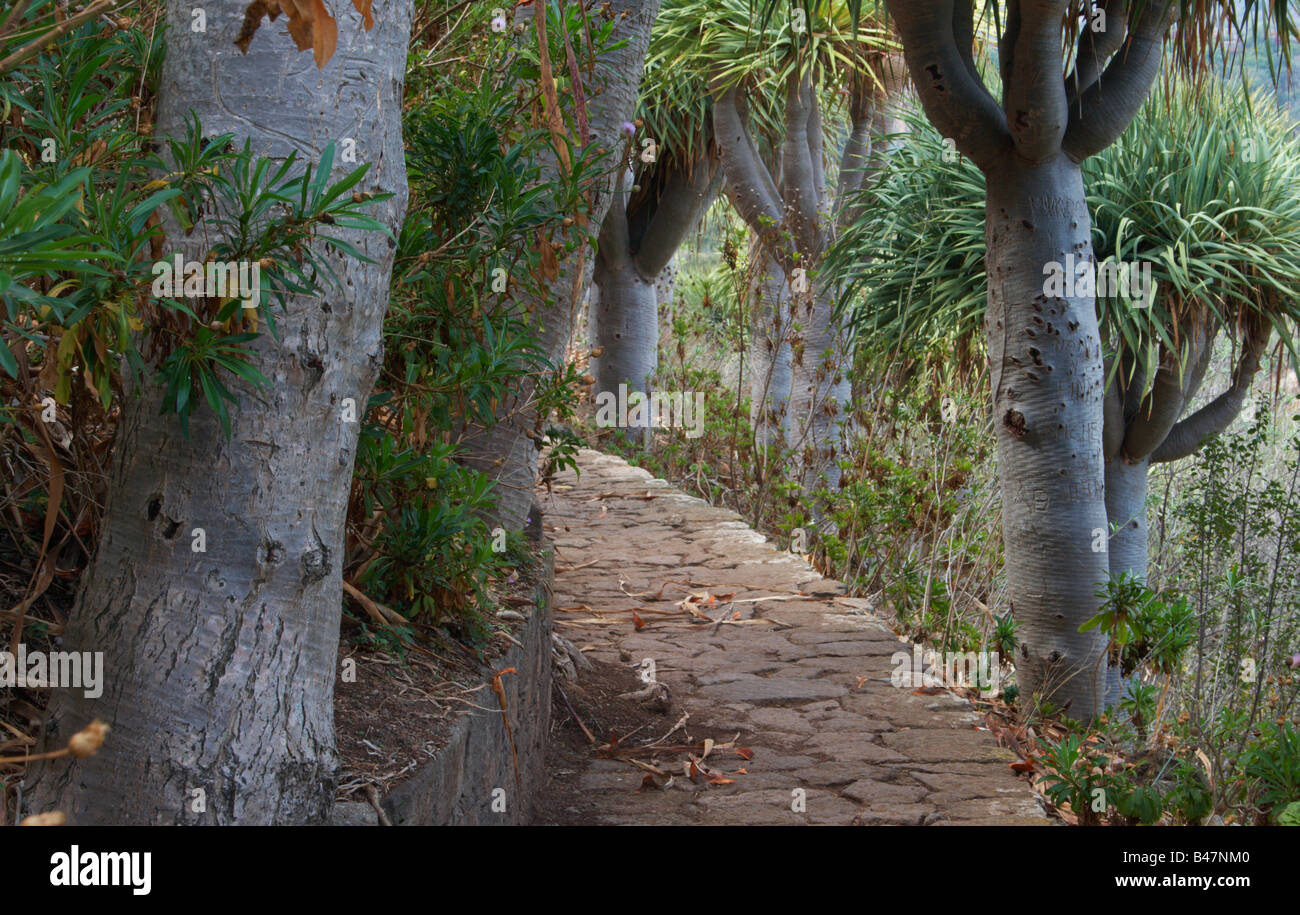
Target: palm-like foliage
1212,206
730,41
699,43
912,264
1212,209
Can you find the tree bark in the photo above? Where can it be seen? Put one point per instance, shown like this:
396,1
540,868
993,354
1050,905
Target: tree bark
820,389
1126,513
220,665
1047,374
637,242
769,356
1045,352
625,318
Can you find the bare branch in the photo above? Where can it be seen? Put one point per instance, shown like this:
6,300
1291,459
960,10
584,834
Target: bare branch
1096,48
687,191
1192,432
1034,95
612,243
750,187
963,33
817,153
956,104
1112,434
800,196
1158,413
33,47
1110,104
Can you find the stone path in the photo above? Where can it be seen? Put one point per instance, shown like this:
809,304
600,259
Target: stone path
807,685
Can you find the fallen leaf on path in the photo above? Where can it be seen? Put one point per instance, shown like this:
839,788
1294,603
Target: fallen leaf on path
648,782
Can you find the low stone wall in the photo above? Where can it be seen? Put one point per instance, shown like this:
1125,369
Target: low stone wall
472,780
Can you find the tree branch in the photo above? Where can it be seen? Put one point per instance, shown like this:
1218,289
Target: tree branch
612,242
1034,97
1007,42
1112,433
959,107
963,35
1158,413
799,194
750,187
817,153
1110,104
1192,432
1096,48
685,192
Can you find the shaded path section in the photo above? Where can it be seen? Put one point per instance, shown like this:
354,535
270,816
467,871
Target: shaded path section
798,670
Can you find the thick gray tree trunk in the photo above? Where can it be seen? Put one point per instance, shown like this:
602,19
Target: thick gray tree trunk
666,284
639,237
625,318
1045,352
220,665
1047,374
799,355
1126,511
820,388
769,356
506,453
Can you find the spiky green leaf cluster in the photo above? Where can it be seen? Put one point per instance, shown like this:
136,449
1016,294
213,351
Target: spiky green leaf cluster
698,43
1199,186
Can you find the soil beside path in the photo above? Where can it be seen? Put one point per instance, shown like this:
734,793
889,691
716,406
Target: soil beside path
798,671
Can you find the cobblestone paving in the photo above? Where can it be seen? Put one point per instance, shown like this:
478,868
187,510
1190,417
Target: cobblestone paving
806,684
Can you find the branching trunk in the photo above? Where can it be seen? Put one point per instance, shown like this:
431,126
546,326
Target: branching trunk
796,344
1044,349
220,664
1151,432
820,389
637,241
625,321
1045,353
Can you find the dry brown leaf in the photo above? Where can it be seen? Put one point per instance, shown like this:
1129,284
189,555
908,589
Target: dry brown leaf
325,34
310,25
550,97
363,7
52,818
550,269
253,19
647,782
